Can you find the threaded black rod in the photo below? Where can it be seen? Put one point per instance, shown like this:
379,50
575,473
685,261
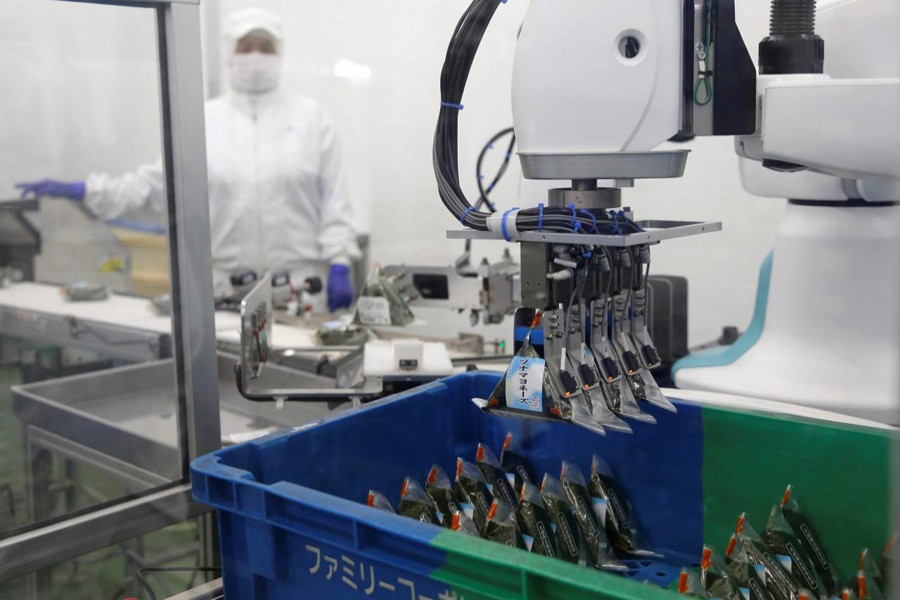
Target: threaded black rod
792,45
797,17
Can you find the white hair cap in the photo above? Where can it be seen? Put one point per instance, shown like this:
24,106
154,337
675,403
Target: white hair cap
242,22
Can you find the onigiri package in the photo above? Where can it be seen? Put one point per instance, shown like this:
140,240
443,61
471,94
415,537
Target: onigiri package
614,511
528,389
378,500
745,571
715,579
472,493
461,522
779,581
568,538
440,489
810,541
784,541
415,503
689,585
512,460
494,475
599,551
502,526
535,523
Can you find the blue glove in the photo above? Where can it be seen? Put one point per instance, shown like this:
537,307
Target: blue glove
340,290
51,187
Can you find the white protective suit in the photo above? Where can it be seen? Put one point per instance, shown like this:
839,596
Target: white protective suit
277,195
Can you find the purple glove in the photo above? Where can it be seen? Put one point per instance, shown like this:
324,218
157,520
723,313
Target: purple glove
51,187
340,290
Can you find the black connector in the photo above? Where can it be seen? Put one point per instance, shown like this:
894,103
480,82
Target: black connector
242,279
651,356
281,278
610,369
587,376
570,385
632,365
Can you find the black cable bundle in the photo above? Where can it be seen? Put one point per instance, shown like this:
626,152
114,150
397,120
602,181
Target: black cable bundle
457,65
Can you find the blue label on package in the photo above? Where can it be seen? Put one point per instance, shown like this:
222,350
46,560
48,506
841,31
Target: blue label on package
525,384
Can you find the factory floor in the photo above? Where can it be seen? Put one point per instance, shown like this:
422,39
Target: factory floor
105,574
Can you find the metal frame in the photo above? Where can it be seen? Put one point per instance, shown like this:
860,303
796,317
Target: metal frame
250,367
115,341
184,153
654,232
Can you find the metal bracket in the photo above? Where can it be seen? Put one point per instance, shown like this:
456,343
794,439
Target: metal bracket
654,232
256,335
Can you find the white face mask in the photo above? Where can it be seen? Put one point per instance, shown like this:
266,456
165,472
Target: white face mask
255,73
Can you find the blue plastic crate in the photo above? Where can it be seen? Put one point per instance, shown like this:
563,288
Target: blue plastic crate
293,523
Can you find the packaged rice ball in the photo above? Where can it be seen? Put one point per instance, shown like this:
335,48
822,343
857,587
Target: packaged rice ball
440,490
848,594
415,503
745,571
783,540
498,484
810,541
462,523
689,585
867,588
715,579
535,523
600,554
888,559
378,500
870,581
528,388
472,493
568,538
779,581
512,460
614,511
502,526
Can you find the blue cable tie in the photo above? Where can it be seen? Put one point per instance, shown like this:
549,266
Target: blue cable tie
540,216
503,224
575,224
491,206
490,188
615,218
465,214
593,218
452,105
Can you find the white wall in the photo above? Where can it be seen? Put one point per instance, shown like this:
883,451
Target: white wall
387,125
79,90
83,81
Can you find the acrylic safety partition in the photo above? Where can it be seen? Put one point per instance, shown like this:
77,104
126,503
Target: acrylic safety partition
293,520
104,453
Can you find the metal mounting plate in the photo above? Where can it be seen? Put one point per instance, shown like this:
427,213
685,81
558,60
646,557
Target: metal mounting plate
654,232
612,165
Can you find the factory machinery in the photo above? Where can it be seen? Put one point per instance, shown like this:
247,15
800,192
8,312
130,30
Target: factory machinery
598,87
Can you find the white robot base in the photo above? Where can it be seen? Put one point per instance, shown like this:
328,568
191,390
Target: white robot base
826,333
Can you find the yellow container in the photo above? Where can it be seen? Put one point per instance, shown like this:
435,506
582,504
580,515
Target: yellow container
149,261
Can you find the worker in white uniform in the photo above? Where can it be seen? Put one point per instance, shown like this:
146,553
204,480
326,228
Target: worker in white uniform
277,195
